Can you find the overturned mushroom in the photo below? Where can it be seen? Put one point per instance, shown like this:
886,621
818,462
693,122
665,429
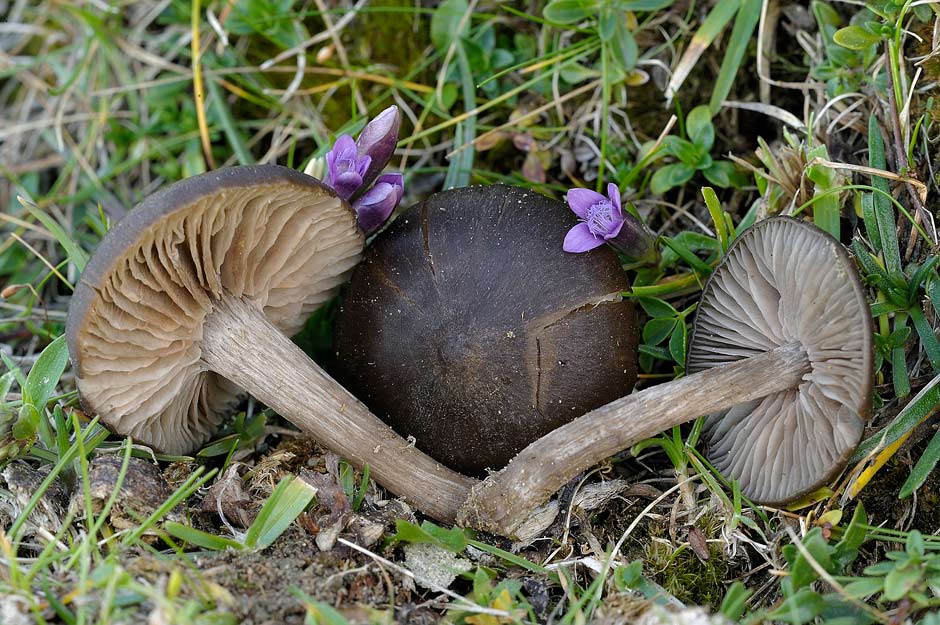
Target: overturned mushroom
189,299
782,347
465,328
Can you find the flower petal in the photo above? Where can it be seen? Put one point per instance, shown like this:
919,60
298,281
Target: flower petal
613,192
580,200
346,184
375,207
579,239
377,140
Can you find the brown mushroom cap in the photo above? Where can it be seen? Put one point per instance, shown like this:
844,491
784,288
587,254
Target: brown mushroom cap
786,281
271,236
467,326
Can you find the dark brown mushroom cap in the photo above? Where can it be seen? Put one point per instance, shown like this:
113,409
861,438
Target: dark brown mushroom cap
786,281
268,234
467,326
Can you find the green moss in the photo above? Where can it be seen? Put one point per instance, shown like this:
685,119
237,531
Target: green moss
681,573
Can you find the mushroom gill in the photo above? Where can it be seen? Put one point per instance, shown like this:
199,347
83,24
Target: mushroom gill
779,288
282,244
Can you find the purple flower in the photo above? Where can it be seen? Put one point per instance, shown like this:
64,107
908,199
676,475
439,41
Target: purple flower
603,221
346,170
377,141
375,206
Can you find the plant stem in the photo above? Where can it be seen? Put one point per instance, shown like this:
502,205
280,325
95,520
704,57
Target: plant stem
502,502
240,344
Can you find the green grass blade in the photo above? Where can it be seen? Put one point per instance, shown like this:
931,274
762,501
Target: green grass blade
927,337
229,128
744,25
200,538
290,497
884,214
717,19
89,438
919,408
718,219
76,254
926,463
458,171
693,261
187,488
510,557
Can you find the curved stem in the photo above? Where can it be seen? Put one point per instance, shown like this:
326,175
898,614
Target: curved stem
502,502
241,345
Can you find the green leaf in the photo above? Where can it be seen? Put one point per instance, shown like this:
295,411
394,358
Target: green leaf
570,11
864,587
856,533
723,174
900,581
656,330
607,22
290,497
699,127
914,545
677,343
452,539
623,48
855,38
446,23
670,176
657,308
800,608
735,601
45,373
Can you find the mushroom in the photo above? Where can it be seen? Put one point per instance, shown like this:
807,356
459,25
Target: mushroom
189,300
466,328
780,358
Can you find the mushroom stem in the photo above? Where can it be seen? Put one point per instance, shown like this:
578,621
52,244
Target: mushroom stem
240,344
500,503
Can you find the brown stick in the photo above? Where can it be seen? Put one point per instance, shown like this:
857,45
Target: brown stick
502,502
240,344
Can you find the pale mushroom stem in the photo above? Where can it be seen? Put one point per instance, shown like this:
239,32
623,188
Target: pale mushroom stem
504,500
240,344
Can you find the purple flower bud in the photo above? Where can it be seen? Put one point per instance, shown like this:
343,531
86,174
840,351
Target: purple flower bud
603,221
377,141
346,170
375,207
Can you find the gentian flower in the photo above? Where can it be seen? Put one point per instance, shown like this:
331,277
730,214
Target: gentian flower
352,166
375,206
346,170
603,221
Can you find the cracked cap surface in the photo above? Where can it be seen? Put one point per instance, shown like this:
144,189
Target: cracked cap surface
786,281
268,234
467,326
